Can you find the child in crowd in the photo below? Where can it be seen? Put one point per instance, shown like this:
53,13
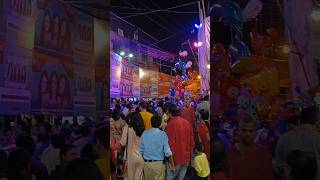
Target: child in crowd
201,163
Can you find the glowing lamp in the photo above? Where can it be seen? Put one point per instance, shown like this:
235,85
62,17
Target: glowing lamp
208,66
199,77
122,53
197,44
141,73
198,26
130,55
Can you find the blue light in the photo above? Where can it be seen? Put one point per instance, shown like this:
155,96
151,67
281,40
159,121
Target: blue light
198,26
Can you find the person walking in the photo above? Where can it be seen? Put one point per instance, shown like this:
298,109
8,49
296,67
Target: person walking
181,141
154,149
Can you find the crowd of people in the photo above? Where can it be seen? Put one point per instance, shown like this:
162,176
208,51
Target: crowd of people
160,139
36,149
284,147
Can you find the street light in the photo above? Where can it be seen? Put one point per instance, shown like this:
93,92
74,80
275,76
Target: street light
130,55
122,53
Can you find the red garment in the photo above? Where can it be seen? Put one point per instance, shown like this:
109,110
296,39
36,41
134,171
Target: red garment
180,135
188,113
204,135
254,164
219,176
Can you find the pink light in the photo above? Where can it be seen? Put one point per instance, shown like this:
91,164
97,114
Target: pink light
197,44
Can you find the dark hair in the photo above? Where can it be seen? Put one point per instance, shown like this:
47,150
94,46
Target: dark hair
155,121
116,114
137,123
293,120
66,148
26,142
57,140
302,165
174,110
118,106
204,114
84,130
144,105
18,163
309,115
101,134
199,146
206,98
82,169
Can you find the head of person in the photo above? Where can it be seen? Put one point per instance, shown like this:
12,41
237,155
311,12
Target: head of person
84,130
57,140
137,123
68,152
82,169
156,121
293,121
19,165
247,129
301,165
118,106
204,115
143,106
26,142
309,115
174,111
199,147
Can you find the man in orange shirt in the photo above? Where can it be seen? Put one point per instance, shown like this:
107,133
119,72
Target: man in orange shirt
146,116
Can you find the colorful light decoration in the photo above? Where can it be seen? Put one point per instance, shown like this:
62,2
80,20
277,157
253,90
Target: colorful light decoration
141,73
197,44
198,26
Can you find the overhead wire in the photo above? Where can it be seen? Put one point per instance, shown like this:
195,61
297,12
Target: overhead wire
159,10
